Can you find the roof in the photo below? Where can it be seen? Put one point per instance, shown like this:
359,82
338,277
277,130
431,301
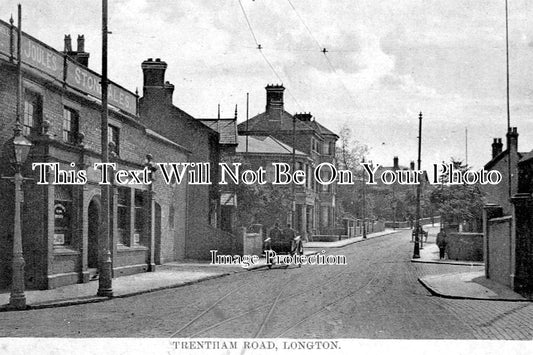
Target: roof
264,145
226,128
263,122
526,156
499,157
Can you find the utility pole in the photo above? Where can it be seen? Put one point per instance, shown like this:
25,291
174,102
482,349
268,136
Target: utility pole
105,278
293,222
416,253
247,108
509,174
364,204
466,146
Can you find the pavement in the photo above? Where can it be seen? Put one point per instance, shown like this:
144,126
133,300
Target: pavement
461,285
170,275
472,285
345,242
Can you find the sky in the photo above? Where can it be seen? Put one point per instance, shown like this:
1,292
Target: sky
386,61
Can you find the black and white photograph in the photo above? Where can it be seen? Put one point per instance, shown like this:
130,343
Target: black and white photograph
266,177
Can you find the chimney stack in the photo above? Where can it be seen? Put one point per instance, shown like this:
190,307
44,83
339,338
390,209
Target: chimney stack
412,165
497,147
79,55
512,138
395,160
274,101
304,116
154,73
154,84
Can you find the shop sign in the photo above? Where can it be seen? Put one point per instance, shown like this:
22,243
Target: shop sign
4,38
89,82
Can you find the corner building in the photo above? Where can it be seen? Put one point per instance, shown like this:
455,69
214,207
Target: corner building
61,117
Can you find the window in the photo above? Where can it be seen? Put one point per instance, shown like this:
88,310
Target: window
32,113
62,215
113,136
70,125
138,216
123,215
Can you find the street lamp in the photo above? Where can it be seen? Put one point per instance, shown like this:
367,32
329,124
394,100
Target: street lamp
16,151
416,252
152,168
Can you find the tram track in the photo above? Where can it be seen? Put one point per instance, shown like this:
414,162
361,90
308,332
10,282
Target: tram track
308,291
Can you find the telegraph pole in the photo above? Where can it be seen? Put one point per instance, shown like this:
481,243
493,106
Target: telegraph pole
416,253
364,204
247,109
104,281
293,222
509,174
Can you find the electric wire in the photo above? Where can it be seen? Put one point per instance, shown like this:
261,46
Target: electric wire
324,52
259,47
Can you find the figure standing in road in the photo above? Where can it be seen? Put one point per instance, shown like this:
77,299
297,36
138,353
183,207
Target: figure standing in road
441,243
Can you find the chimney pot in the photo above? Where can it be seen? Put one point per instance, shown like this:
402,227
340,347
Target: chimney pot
395,160
497,147
81,43
68,44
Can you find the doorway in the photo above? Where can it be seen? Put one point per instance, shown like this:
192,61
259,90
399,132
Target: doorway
92,245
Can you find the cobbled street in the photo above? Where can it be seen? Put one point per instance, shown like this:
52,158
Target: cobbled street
377,296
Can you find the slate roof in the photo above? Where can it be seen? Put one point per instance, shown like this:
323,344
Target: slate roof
226,128
265,145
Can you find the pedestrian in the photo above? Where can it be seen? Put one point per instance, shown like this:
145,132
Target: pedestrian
274,234
441,243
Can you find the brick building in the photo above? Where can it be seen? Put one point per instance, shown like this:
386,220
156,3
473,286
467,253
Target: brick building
499,193
150,224
508,222
202,213
315,203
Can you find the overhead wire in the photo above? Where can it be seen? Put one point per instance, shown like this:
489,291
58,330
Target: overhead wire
324,52
260,48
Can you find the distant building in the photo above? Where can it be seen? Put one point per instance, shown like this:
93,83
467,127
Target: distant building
315,203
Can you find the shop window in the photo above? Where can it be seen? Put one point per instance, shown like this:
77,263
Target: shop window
70,125
113,135
63,215
123,215
33,109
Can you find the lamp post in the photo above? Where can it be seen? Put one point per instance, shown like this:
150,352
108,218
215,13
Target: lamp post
105,283
416,252
16,150
151,167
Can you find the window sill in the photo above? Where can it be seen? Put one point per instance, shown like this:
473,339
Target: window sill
122,247
64,250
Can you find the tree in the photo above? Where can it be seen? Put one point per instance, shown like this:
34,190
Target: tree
458,204
349,155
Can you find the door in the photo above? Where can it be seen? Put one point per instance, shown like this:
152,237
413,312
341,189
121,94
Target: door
94,222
